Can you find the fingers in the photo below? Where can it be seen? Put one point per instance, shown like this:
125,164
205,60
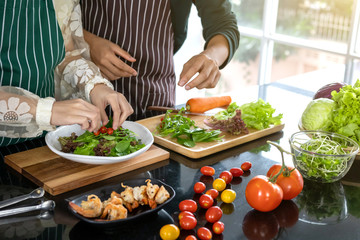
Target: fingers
121,52
127,109
104,117
121,109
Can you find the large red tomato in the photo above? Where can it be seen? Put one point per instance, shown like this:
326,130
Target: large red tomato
291,182
262,194
260,225
188,205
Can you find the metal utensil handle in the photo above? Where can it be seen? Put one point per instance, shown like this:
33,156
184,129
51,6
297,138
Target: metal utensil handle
14,200
14,211
162,109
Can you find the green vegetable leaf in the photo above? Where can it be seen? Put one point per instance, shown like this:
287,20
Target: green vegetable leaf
122,146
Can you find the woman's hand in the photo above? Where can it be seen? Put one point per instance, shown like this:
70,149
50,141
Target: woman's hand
105,54
101,96
76,111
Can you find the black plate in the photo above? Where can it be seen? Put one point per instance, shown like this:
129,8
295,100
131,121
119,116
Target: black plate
104,193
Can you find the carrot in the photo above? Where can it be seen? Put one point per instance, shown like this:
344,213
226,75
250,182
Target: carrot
202,104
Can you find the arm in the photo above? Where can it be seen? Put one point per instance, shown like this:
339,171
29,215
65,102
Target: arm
222,39
80,77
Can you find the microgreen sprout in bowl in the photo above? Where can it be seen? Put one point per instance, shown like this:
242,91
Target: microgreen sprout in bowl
322,156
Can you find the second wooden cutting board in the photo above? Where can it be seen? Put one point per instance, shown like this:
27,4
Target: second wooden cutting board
58,175
205,148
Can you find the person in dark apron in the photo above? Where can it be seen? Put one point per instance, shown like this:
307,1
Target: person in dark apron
33,43
133,43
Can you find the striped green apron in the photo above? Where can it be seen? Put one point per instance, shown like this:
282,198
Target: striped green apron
31,46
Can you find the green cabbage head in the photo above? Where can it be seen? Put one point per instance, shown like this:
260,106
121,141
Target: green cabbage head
317,114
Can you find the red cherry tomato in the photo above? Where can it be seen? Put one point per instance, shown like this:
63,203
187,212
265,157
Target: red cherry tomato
185,213
262,194
227,176
291,182
236,172
204,233
188,205
97,132
110,131
103,129
218,227
199,187
191,237
206,201
188,222
246,166
213,214
287,213
260,225
207,171
213,193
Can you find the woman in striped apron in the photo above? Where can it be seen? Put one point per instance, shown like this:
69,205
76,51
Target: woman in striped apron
33,69
143,37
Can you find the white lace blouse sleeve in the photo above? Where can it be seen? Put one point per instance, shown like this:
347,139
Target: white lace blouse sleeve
76,76
23,114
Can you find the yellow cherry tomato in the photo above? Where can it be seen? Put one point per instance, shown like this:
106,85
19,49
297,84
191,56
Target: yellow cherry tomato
169,232
228,196
219,184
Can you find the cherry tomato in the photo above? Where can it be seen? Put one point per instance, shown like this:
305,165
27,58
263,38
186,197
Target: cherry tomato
191,237
213,214
291,182
287,213
103,129
228,196
188,205
213,193
169,232
227,176
199,187
207,171
218,227
97,132
206,201
185,213
161,119
204,233
246,166
260,225
188,222
110,131
219,184
262,194
236,172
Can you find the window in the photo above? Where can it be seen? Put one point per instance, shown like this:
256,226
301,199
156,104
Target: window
298,44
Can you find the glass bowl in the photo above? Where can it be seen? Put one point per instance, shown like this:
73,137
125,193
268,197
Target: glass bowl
322,156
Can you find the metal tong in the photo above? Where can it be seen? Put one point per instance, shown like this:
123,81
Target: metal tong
37,193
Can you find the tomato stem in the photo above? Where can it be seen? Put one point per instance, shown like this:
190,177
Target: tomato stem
284,169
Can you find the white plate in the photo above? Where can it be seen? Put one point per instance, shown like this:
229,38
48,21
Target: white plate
141,132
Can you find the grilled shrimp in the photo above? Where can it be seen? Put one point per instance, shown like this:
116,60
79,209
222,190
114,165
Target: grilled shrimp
91,208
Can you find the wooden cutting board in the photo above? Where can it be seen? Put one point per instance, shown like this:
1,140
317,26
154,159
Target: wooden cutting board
58,175
203,149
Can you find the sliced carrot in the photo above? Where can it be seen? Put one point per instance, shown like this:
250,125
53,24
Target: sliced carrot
203,104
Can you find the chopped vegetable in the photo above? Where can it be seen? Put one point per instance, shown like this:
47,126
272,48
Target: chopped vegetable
111,142
203,104
184,130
